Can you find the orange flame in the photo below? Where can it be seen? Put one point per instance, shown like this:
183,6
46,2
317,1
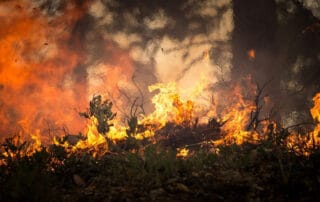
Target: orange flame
40,85
315,112
311,139
36,70
182,153
43,78
237,115
252,54
168,106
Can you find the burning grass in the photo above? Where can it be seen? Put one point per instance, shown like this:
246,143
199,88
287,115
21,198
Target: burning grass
169,155
268,171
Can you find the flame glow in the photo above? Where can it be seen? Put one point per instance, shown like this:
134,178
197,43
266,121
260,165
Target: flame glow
182,152
36,70
309,140
252,54
46,77
168,106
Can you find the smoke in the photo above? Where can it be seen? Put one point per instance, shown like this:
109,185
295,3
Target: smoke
53,60
55,55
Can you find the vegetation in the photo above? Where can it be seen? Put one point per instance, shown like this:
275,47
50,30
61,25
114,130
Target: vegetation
268,170
101,110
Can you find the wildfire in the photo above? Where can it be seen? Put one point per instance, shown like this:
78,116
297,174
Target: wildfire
237,115
168,106
182,152
93,136
46,72
42,80
309,140
36,69
315,112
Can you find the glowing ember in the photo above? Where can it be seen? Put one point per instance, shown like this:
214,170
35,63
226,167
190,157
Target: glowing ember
251,54
182,152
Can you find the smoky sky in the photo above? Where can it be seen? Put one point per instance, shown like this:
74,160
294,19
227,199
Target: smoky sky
65,52
165,41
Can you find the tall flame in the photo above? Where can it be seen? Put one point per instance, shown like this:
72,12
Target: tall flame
38,86
168,106
46,77
46,69
315,112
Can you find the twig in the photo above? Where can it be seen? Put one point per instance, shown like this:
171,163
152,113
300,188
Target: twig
300,124
254,122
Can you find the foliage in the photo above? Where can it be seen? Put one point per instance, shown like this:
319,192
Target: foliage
139,170
264,171
102,111
26,178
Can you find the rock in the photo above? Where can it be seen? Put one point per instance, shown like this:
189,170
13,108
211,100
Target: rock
78,180
156,192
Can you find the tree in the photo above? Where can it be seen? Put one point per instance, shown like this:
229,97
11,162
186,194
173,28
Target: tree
272,42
